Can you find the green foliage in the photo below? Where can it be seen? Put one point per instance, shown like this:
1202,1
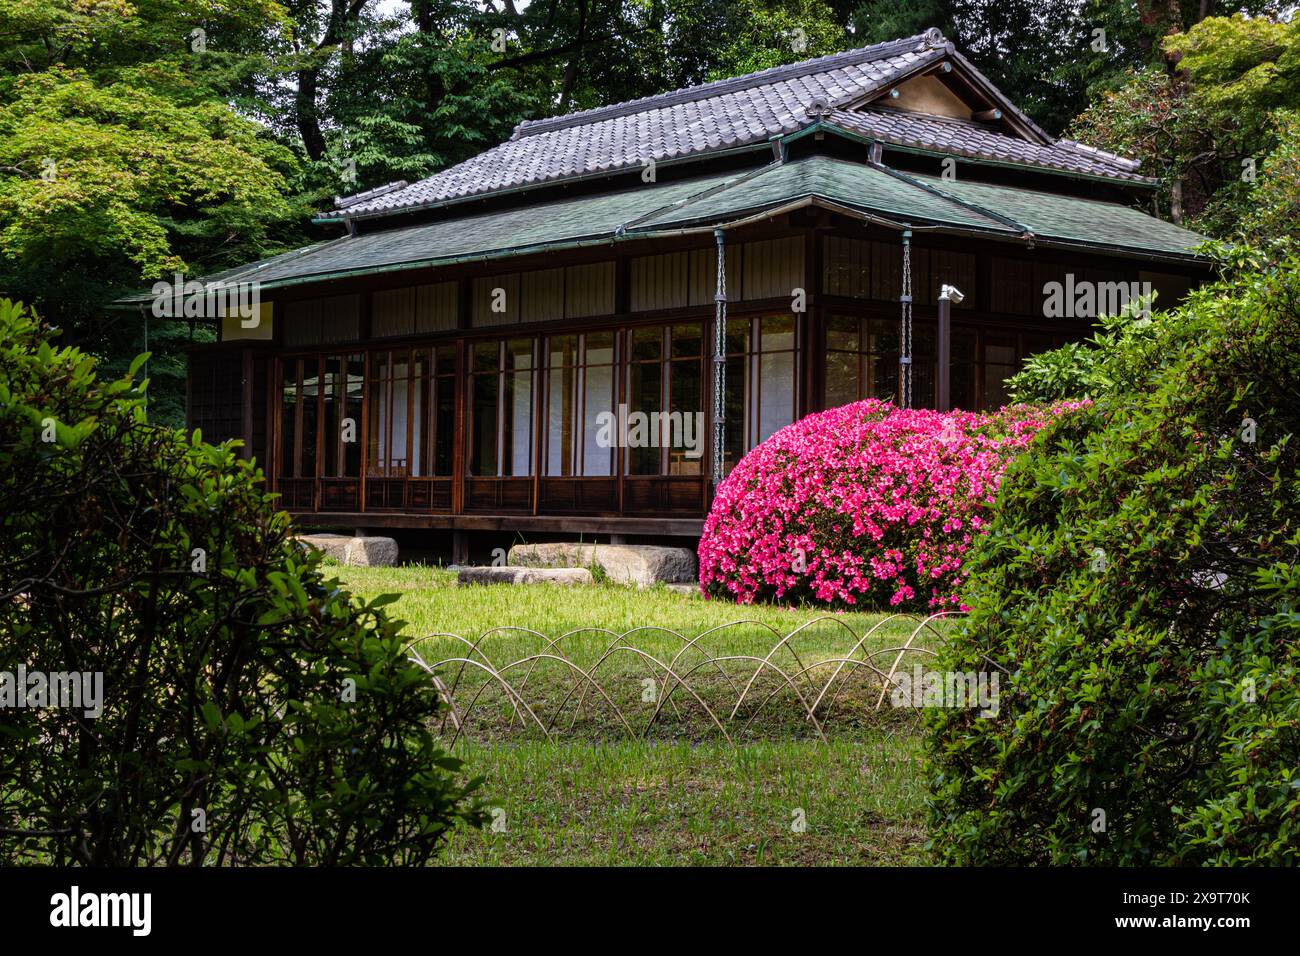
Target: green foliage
1200,128
770,34
1273,213
1137,595
107,172
229,732
1121,346
121,159
441,103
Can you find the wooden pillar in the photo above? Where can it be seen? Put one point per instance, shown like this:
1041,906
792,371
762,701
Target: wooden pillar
948,294
246,402
943,356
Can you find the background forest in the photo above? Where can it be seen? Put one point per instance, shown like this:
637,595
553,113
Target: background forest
142,137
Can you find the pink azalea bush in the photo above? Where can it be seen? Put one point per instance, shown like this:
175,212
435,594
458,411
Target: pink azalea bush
866,504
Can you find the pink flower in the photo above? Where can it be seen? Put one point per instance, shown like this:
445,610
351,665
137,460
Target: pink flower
863,504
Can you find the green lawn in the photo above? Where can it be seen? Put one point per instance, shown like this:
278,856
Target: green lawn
612,785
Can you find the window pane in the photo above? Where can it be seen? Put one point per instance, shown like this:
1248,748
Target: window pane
883,336
999,365
882,366
842,333
882,375
924,386
518,406
995,391
776,402
486,356
1036,342
330,390
777,333
561,415
647,344
562,350
377,426
645,394
738,333
353,388
685,426
600,398
445,431
399,454
687,340
1000,354
600,347
842,378
310,413
737,401
483,448
421,453
288,417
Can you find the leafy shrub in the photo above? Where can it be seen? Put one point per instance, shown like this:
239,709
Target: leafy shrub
229,732
1084,369
863,504
1137,593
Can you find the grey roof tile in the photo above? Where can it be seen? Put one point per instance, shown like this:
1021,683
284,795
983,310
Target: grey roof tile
734,112
976,141
740,111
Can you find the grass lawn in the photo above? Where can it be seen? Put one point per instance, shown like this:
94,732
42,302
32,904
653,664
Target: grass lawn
635,770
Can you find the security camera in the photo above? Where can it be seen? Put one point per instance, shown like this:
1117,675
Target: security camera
951,293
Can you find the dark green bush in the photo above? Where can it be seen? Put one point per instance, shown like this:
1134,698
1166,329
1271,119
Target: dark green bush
230,733
1137,592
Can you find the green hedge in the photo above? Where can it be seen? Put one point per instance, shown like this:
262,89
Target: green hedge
1137,594
252,712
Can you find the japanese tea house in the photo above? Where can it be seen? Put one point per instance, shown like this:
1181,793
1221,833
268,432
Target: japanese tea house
444,362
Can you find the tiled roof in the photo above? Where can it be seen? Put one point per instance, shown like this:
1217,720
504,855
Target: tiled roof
741,111
978,141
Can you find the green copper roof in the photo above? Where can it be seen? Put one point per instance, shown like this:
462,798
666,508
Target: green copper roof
1072,219
639,210
862,187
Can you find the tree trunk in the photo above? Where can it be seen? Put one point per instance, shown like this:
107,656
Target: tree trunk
308,116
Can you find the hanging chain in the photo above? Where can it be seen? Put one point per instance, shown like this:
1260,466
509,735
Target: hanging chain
720,360
905,350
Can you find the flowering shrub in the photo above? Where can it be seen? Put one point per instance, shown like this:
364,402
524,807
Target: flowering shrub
863,504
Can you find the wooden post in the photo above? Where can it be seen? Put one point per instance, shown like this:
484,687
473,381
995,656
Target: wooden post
943,358
948,294
459,547
246,403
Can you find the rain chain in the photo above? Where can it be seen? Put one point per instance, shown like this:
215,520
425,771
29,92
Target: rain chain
905,350
720,360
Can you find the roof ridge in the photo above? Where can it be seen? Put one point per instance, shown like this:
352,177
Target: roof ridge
343,202
930,39
956,200
1044,157
1125,162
